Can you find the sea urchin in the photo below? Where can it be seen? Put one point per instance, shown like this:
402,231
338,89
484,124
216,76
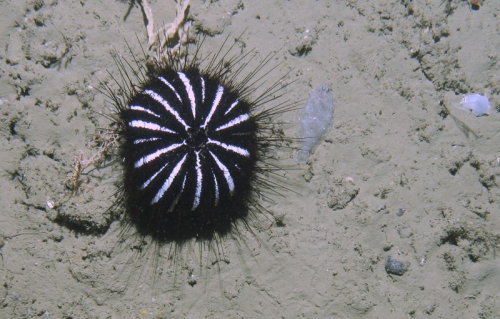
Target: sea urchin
195,144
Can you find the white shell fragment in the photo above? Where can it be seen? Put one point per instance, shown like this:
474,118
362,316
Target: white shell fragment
315,120
50,203
477,103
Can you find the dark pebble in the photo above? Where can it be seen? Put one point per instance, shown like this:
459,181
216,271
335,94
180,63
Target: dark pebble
396,267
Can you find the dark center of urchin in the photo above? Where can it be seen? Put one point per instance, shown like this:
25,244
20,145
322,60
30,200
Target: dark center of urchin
197,137
189,155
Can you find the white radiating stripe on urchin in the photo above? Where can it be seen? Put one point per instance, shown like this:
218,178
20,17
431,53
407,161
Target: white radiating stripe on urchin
145,140
199,182
202,89
150,126
216,191
233,122
215,104
189,89
142,109
171,87
146,183
148,158
231,107
227,175
232,148
167,106
176,200
169,180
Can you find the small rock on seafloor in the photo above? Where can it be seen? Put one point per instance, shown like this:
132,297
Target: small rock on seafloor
395,265
315,120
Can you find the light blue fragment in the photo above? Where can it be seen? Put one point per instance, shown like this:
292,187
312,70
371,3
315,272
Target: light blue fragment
315,120
477,103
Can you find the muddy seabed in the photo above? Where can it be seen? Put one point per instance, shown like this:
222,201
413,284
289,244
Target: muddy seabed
403,172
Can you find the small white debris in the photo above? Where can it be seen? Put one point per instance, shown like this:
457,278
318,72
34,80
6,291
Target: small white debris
349,179
477,103
315,120
50,203
422,261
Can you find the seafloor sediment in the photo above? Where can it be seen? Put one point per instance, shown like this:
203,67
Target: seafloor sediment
402,173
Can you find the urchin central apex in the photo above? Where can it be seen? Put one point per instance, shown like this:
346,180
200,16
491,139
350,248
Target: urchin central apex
197,137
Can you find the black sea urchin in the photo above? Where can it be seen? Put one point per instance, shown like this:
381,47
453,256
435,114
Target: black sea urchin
195,145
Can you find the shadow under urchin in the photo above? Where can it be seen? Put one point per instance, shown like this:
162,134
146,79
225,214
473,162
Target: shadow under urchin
197,148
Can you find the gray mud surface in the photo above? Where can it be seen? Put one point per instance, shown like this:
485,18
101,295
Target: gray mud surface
402,173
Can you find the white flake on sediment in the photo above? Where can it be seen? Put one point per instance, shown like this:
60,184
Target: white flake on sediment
167,106
240,119
171,87
232,148
215,104
148,158
142,109
231,107
227,174
199,182
169,180
150,126
189,89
